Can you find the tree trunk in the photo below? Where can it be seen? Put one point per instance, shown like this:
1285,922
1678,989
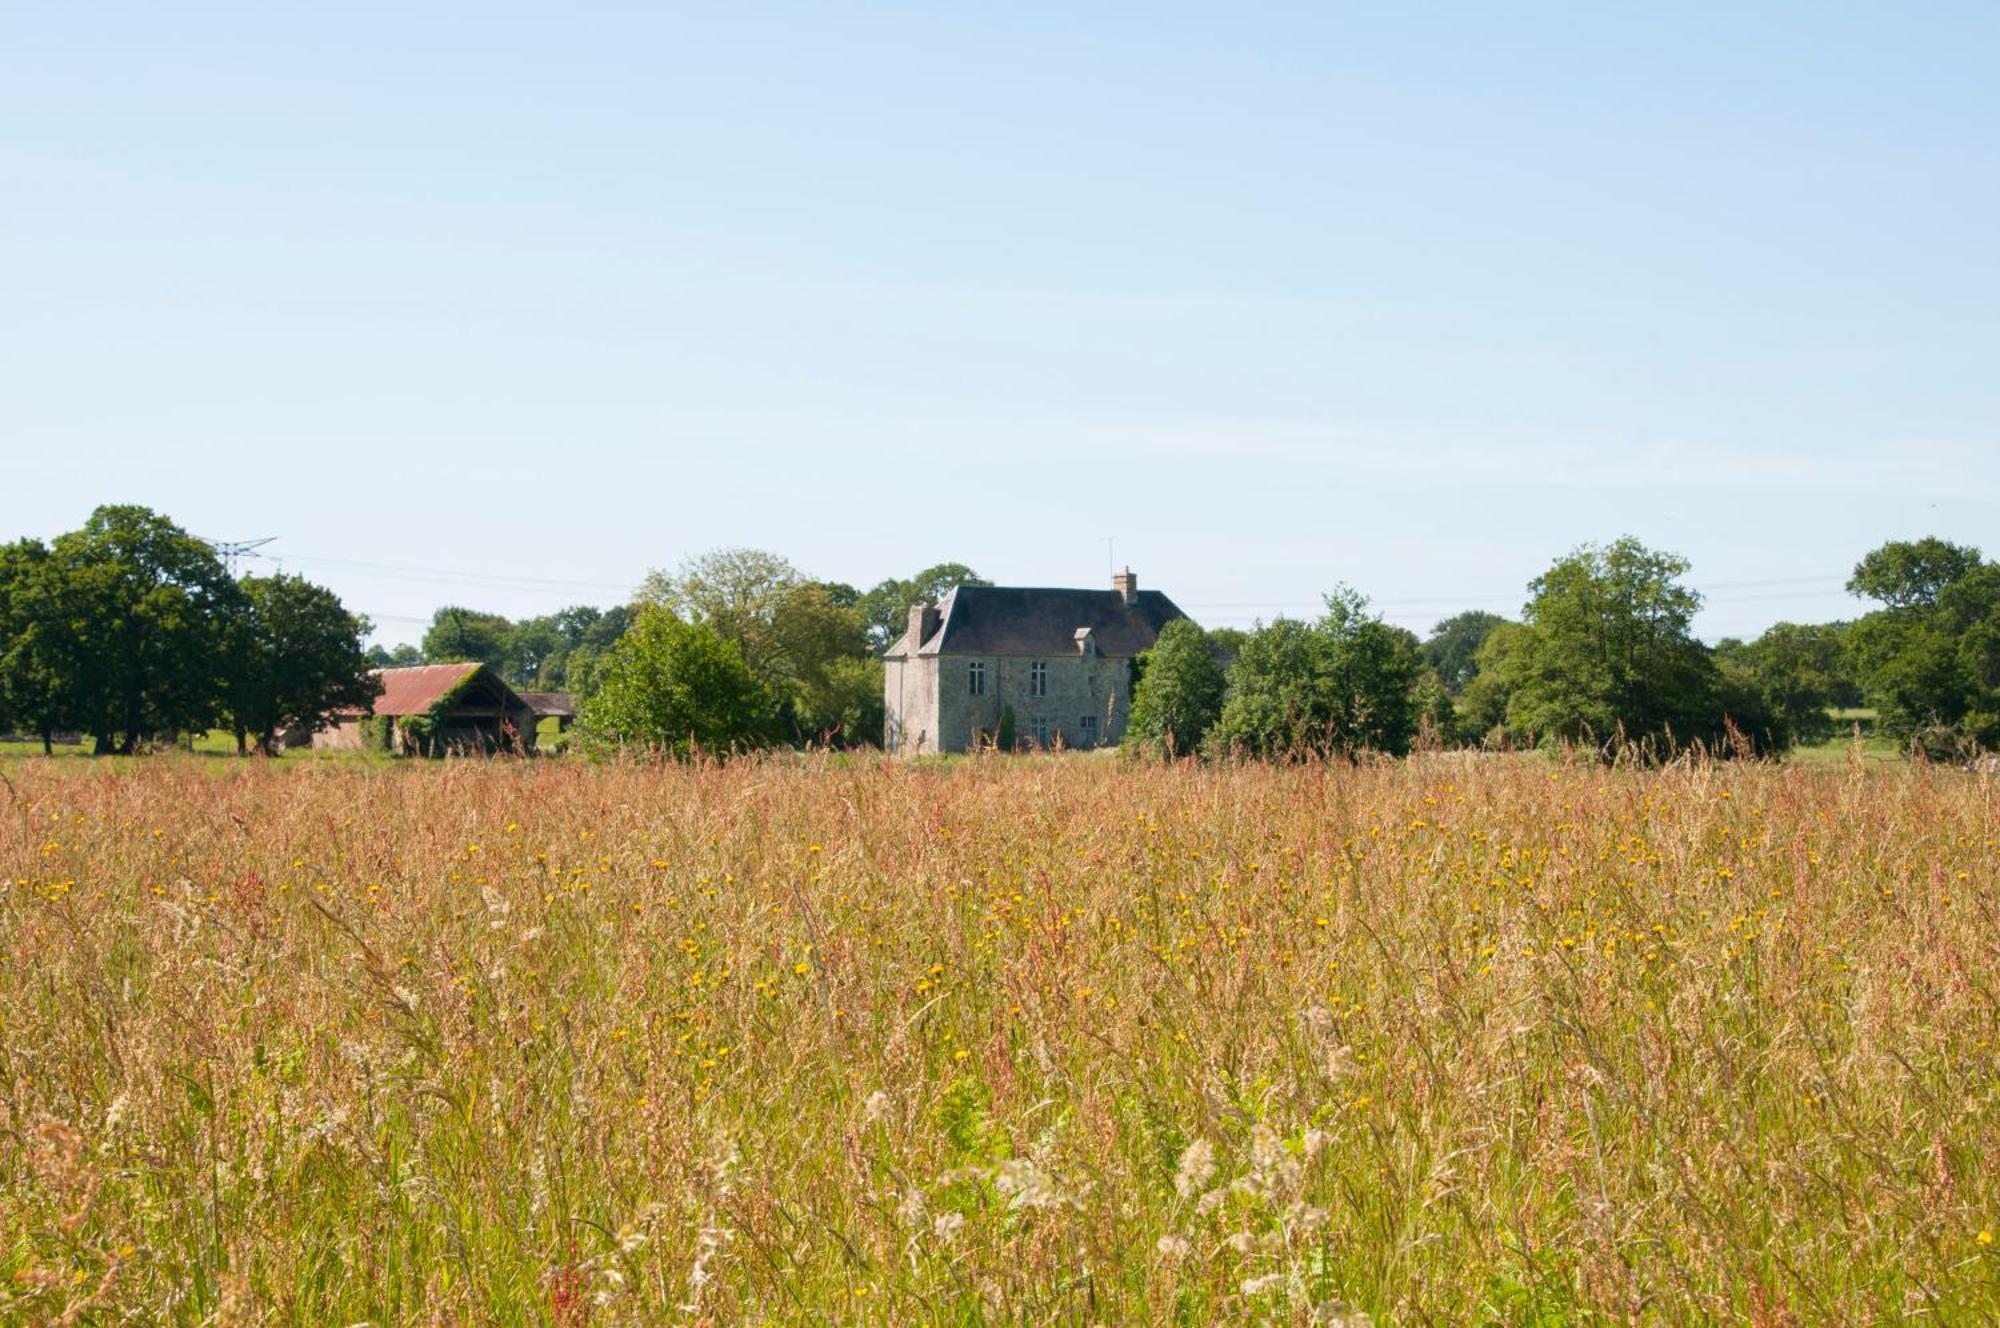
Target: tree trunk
242,741
48,741
103,746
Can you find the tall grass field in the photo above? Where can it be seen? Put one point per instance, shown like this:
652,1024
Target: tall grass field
1060,1040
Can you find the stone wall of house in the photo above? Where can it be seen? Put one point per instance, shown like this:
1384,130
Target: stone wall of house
1079,686
910,697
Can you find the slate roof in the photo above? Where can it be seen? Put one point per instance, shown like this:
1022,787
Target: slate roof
1041,620
559,704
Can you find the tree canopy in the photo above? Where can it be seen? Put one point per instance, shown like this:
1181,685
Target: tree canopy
678,687
1453,647
1177,691
1930,660
1608,650
1339,686
805,641
294,657
886,607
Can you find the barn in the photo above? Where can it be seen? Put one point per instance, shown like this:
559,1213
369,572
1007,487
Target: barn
435,709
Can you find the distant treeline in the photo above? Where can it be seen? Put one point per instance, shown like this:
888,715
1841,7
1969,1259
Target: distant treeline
130,629
1604,657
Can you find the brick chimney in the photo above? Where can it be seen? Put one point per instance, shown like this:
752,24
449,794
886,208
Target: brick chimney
1127,586
923,624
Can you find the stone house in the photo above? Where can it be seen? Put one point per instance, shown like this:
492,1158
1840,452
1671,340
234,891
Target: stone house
1060,659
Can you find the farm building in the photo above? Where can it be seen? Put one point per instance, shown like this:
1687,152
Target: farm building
1060,660
559,706
437,708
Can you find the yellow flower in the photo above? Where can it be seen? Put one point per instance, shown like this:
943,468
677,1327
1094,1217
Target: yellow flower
1985,1236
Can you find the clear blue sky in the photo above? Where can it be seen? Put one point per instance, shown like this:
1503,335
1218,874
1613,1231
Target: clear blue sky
533,298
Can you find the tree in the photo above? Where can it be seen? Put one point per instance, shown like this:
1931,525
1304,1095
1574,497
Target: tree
886,608
1176,692
678,687
1341,686
146,607
1609,649
1911,574
1800,670
460,635
800,641
1932,665
37,652
395,657
1482,705
1453,647
295,657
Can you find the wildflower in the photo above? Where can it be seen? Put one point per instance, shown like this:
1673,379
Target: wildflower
1985,1236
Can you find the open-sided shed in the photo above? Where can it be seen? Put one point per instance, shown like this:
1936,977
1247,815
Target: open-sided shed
437,708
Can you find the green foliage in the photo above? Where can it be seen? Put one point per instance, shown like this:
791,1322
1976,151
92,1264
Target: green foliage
294,655
806,642
467,636
1609,652
1931,664
1800,671
1007,736
1911,574
395,657
1453,648
1482,708
37,649
1341,686
1177,691
146,608
677,687
886,609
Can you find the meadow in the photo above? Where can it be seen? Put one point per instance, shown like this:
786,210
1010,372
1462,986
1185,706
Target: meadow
1050,1040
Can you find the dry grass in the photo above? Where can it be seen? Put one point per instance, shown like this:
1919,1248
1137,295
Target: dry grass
1035,1041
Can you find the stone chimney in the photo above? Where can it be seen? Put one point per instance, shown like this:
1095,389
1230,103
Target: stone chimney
923,625
1127,586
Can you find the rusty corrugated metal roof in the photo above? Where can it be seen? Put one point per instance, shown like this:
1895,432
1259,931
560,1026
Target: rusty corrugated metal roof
415,690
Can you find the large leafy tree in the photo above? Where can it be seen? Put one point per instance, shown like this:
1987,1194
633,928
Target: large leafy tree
678,687
1340,686
295,657
1930,659
886,607
38,655
1609,649
459,635
1801,670
1912,574
1177,691
805,641
1453,647
147,607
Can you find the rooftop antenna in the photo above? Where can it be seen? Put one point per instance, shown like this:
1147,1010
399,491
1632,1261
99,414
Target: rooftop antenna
230,551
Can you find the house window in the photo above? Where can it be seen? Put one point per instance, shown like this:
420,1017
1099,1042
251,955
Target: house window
1038,678
1038,729
975,672
1087,727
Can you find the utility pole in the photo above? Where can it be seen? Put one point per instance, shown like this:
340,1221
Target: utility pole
232,550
